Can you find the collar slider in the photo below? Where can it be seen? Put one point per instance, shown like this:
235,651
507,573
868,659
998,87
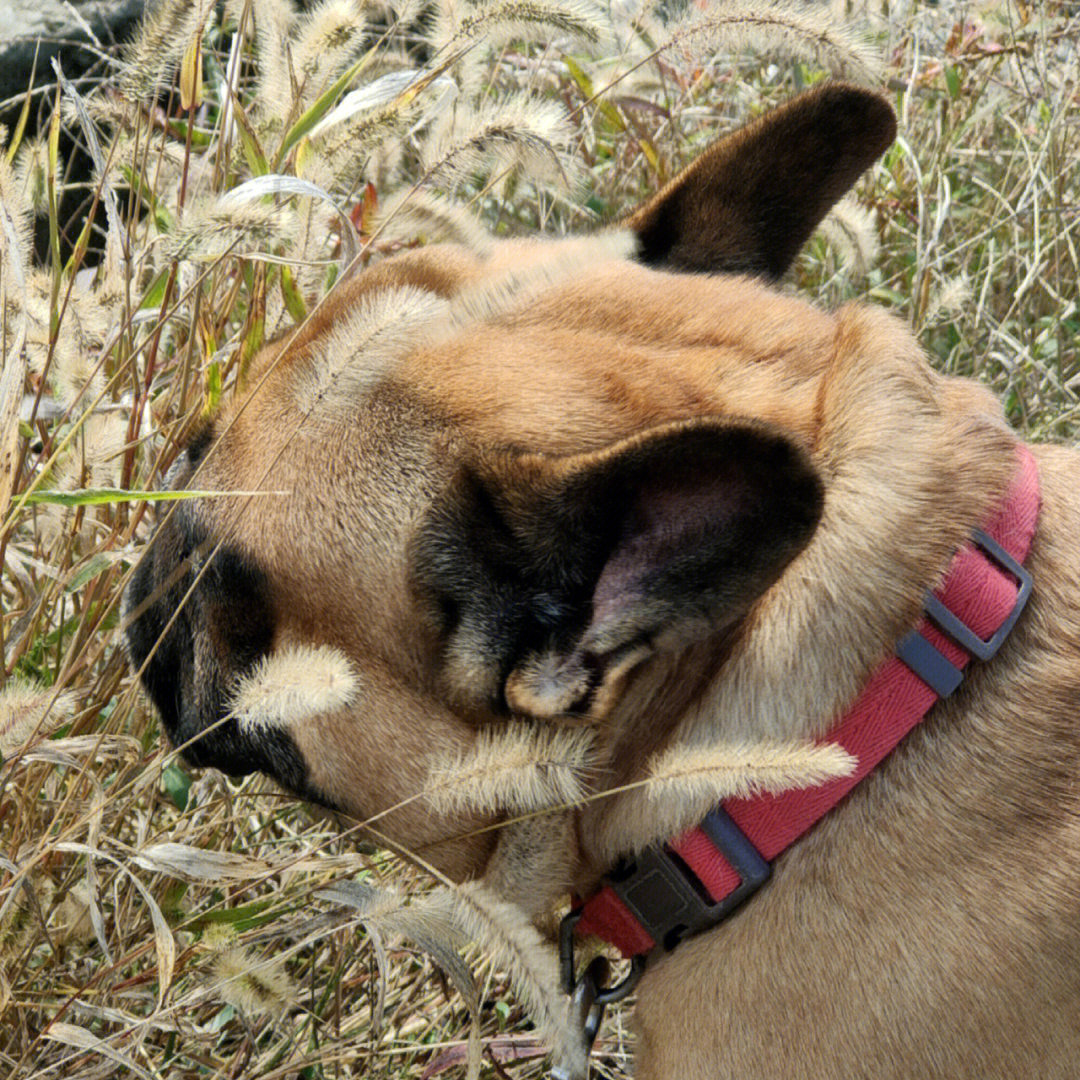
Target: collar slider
957,629
927,661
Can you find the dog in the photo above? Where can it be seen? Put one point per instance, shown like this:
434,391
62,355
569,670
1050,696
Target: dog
623,483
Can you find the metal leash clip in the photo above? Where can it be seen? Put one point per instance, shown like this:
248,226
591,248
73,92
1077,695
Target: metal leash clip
588,997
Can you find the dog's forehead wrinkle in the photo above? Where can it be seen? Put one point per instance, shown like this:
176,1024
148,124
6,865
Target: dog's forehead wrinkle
342,358
576,368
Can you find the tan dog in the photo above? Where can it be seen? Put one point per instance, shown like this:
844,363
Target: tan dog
647,495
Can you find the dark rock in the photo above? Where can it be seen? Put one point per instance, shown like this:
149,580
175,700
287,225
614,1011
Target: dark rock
26,23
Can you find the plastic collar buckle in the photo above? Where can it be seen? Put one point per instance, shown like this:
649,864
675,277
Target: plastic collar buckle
666,898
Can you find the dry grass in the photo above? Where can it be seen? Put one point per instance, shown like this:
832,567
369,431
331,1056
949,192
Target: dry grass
159,923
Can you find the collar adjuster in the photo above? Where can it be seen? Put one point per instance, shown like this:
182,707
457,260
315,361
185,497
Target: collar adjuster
927,661
669,901
957,629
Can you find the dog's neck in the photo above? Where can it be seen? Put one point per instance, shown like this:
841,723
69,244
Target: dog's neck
897,506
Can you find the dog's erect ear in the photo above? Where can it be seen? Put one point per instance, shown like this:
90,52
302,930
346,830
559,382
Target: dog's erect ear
555,575
750,202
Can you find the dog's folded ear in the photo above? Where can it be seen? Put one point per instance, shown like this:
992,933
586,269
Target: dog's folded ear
749,202
554,575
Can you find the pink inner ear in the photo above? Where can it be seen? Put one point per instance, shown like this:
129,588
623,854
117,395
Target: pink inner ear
666,523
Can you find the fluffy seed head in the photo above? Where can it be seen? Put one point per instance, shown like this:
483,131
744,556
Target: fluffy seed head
432,219
804,32
499,21
849,227
154,53
952,296
348,145
253,985
15,215
517,132
224,227
363,347
520,767
507,935
27,711
327,38
292,684
741,770
685,782
104,439
31,170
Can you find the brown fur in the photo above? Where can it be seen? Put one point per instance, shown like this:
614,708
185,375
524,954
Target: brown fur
683,509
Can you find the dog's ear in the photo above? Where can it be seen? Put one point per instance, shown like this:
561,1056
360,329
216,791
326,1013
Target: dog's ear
750,202
556,575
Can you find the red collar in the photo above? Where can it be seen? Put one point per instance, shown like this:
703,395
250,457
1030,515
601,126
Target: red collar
691,883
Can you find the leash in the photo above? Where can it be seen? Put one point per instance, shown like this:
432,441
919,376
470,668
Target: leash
673,891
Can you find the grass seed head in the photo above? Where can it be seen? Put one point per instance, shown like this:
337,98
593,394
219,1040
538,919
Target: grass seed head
30,712
31,172
153,55
363,348
851,229
292,684
327,39
520,767
213,228
517,132
254,985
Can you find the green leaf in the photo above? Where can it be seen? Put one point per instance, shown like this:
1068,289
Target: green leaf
109,496
323,104
163,220
890,296
218,1021
244,917
200,137
155,294
952,80
577,73
24,113
213,385
94,566
177,784
290,293
249,142
651,156
79,250
607,110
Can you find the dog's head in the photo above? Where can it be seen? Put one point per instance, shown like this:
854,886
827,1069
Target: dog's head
519,484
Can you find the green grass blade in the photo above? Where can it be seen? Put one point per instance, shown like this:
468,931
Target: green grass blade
110,496
322,105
